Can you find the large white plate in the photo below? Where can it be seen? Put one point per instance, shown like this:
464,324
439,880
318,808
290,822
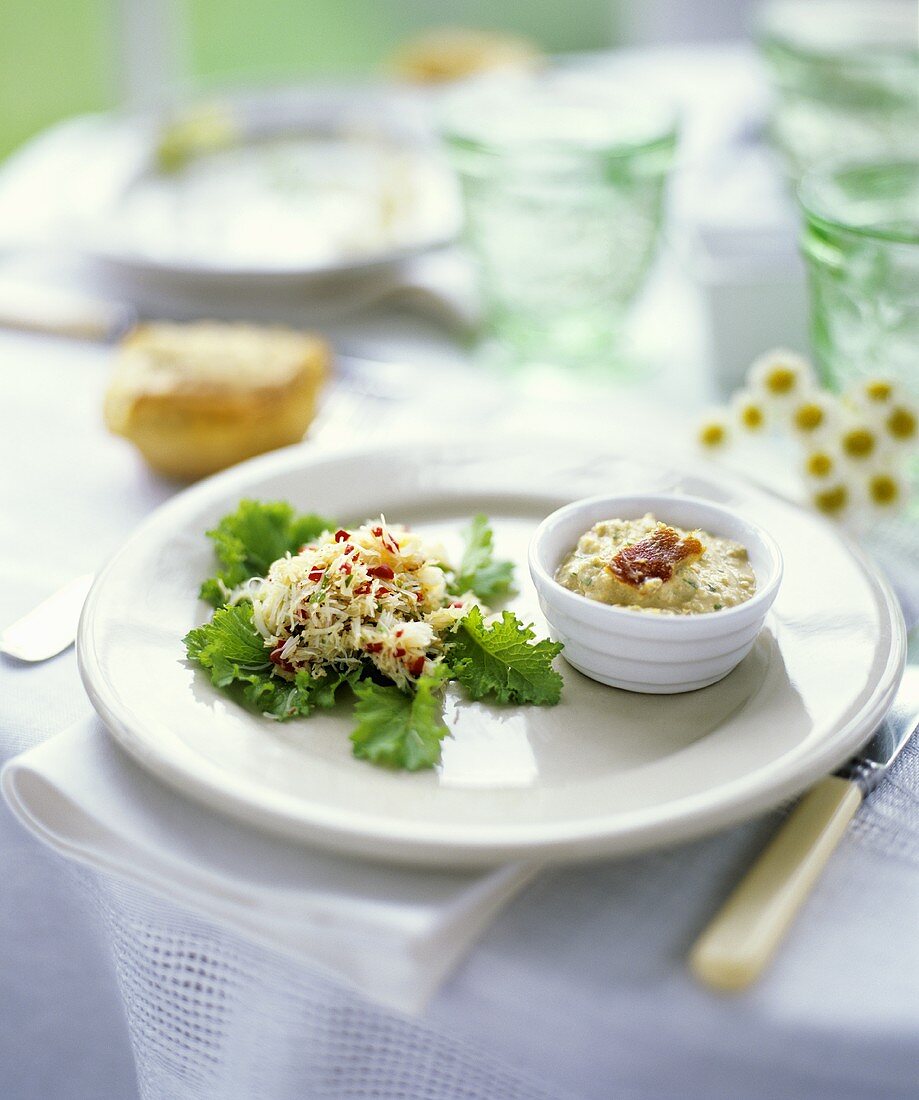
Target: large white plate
604,772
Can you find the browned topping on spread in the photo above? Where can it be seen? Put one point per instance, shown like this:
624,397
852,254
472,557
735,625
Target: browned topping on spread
658,556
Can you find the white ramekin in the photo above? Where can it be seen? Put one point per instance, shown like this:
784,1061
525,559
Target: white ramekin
640,651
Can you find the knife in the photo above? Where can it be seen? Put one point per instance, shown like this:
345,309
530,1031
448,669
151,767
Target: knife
49,628
742,938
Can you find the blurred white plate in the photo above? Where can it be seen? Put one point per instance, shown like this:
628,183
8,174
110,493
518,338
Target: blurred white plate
325,183
605,772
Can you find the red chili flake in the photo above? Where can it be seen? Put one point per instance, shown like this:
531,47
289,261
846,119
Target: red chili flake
373,647
400,652
457,603
362,589
341,535
377,532
315,574
383,572
275,657
347,549
391,545
382,590
417,666
399,633
345,567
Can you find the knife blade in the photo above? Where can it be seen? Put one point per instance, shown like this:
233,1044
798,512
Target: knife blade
742,938
49,628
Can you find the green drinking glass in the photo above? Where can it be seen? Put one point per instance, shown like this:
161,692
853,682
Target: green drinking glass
845,79
861,246
563,183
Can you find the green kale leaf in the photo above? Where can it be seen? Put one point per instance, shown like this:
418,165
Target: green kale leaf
234,654
399,730
248,540
478,571
502,660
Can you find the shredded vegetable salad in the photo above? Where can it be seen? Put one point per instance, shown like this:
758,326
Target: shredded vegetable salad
372,593
306,607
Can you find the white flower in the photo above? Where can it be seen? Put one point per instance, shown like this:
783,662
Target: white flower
834,500
860,442
749,411
901,426
814,416
713,432
823,466
887,407
870,467
781,377
886,491
873,394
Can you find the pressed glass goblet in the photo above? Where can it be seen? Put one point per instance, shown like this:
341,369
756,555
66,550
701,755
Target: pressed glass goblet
861,245
563,184
845,79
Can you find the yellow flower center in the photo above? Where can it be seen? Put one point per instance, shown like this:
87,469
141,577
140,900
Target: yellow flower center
712,435
751,416
858,443
832,501
878,390
781,380
809,417
884,489
819,464
902,423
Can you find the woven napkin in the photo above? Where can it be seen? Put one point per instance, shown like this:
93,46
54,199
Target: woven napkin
393,933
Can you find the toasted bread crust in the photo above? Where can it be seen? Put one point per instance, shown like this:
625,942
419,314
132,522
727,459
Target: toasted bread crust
197,398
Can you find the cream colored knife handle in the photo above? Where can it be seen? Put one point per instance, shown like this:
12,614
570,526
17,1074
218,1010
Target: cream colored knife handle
735,948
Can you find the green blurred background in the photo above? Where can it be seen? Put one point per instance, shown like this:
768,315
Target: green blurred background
64,57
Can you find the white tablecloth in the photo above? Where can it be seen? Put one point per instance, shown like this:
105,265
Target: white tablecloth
577,991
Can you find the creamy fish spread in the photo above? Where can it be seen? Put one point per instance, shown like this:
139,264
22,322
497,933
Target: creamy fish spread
651,566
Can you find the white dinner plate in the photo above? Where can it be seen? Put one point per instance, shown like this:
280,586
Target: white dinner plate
258,216
605,772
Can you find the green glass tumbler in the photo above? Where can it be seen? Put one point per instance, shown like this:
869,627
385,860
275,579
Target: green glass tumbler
563,185
861,246
844,77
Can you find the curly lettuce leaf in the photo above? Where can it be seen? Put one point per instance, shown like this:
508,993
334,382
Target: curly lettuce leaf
478,571
248,540
228,645
398,730
503,661
233,652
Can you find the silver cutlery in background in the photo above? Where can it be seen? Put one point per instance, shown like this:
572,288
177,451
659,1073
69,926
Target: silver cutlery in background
29,305
49,628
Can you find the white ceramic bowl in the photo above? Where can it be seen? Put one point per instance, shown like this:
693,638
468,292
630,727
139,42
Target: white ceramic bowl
635,650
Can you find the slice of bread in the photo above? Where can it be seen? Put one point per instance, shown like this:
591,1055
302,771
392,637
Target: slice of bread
195,398
451,53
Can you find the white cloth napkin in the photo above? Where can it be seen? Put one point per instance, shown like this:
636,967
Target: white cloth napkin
393,933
